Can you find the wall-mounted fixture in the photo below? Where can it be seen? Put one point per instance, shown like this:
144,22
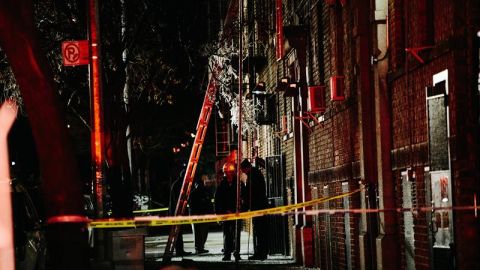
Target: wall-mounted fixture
337,88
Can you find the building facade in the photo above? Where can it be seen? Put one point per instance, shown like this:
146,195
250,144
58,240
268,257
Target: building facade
377,95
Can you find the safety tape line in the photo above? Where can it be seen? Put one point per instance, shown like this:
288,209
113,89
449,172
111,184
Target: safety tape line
414,210
180,220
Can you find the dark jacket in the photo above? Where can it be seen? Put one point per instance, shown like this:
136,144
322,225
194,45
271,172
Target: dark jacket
200,203
226,197
175,192
256,193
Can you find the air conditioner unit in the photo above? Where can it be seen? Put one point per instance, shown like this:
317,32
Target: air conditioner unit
337,88
316,99
292,90
282,84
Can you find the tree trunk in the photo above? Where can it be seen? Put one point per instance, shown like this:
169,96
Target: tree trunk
118,168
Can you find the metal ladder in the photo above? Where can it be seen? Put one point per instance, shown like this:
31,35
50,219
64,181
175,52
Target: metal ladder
202,125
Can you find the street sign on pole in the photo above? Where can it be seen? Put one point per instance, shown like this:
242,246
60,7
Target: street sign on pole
75,53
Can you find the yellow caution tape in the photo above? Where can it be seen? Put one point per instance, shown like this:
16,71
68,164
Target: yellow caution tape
180,220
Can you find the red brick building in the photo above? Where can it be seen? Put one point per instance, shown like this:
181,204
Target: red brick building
396,114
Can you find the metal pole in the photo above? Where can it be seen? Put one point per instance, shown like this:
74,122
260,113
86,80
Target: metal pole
96,107
239,140
97,139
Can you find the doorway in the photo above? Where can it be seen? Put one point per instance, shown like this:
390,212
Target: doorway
441,221
276,194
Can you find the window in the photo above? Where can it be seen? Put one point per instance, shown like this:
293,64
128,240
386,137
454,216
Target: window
337,39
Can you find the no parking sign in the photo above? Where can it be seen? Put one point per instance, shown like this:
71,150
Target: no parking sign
75,53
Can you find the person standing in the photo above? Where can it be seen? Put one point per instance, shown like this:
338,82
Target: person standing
174,193
200,205
256,199
226,203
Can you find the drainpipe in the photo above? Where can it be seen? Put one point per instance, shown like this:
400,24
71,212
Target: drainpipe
366,120
386,241
304,232
8,113
301,166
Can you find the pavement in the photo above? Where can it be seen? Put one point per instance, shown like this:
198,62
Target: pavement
155,246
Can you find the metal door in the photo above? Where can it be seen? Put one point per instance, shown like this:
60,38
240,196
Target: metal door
441,221
441,225
348,238
407,185
276,193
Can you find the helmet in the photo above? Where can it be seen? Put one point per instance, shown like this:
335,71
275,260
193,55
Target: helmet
229,167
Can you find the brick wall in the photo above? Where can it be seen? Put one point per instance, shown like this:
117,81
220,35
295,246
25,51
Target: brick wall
334,144
410,140
443,18
315,54
409,123
396,31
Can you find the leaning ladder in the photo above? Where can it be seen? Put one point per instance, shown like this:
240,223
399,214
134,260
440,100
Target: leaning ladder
202,125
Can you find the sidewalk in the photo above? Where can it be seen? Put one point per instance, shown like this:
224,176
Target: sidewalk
155,246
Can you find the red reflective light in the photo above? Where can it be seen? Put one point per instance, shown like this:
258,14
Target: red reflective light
337,89
229,167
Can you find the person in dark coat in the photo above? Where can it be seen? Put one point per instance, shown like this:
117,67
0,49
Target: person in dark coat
256,199
200,204
174,193
226,203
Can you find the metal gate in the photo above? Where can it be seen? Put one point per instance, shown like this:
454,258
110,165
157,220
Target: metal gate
276,193
441,182
348,237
